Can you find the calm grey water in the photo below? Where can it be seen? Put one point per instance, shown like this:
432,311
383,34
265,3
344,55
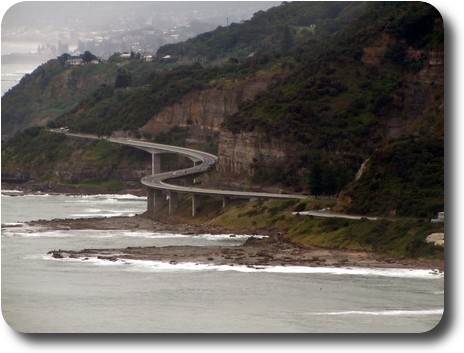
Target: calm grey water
41,294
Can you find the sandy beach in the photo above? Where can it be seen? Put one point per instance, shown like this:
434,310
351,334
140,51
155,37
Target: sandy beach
265,247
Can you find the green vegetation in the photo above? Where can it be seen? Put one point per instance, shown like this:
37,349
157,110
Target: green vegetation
278,30
397,238
393,237
103,152
130,102
50,90
36,149
46,156
333,108
403,179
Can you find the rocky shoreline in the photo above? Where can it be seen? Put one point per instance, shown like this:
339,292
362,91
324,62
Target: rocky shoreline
269,249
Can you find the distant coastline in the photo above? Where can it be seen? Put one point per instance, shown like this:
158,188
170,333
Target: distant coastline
20,58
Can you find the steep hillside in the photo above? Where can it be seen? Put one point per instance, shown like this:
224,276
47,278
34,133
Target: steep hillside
311,97
55,162
50,90
53,159
347,98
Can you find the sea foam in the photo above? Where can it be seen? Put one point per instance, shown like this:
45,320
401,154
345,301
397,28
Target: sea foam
158,266
381,312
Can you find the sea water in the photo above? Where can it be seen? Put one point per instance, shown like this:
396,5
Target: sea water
43,294
13,72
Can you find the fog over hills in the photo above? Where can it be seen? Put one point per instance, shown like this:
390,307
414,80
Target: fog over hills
33,32
39,19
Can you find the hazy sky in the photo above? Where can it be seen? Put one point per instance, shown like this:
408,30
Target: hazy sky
85,16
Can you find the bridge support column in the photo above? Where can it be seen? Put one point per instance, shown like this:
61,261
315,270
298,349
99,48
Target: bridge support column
195,204
154,201
158,200
172,201
225,201
150,202
155,163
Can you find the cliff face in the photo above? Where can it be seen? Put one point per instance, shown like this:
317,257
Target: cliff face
239,152
241,155
415,108
203,111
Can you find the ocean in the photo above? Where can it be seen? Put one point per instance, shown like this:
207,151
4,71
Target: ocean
43,294
14,70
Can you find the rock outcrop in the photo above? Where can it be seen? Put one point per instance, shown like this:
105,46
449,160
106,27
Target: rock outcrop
238,153
204,111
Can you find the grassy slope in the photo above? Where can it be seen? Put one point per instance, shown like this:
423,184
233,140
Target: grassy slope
397,237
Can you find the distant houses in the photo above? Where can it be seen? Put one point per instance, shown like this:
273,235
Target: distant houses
74,61
138,56
125,55
148,57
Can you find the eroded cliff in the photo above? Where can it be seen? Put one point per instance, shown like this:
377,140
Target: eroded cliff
203,111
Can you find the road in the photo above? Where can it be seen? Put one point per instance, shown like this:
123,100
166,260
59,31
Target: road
326,214
203,161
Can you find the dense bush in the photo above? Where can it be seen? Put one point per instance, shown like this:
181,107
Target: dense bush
404,179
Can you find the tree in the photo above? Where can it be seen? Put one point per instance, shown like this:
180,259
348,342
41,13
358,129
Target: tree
123,79
316,186
88,56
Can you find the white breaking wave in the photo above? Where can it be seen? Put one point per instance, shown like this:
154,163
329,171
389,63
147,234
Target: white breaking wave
11,192
101,215
360,271
125,197
45,234
382,312
37,195
156,266
229,236
15,229
23,230
12,224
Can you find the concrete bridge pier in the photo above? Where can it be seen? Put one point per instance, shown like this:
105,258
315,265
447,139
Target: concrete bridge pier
173,200
154,201
155,163
225,201
195,204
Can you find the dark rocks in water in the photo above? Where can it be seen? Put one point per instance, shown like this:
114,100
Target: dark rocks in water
108,258
56,255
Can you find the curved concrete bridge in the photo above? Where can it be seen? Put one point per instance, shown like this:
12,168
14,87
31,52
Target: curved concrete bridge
160,187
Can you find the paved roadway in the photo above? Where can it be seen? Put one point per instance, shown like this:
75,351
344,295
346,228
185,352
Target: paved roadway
161,181
325,214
